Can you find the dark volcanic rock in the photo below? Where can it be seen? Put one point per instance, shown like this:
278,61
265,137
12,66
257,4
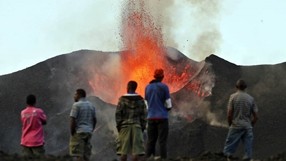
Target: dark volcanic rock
197,122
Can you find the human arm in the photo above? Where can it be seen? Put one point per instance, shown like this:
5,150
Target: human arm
254,114
94,122
43,117
229,112
118,116
254,118
94,118
229,116
72,125
143,116
73,116
168,102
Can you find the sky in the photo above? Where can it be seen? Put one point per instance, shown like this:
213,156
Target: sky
244,32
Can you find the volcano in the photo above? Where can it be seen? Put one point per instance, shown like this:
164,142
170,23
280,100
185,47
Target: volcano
200,91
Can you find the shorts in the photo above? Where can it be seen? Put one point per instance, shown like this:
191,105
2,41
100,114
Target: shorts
33,151
130,140
80,145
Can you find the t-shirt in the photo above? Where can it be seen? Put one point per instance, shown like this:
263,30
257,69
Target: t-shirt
84,113
32,126
242,105
158,100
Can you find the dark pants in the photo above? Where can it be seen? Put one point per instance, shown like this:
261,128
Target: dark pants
157,130
33,151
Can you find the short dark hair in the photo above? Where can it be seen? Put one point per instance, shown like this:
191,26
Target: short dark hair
240,84
81,92
132,85
31,100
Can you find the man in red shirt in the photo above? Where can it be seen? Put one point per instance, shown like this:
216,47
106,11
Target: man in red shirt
33,119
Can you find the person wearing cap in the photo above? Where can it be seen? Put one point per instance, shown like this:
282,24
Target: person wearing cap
241,116
131,121
157,97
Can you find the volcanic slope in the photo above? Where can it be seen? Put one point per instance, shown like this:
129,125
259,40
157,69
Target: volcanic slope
266,83
53,82
197,120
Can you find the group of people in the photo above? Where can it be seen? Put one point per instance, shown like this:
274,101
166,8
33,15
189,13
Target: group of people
135,114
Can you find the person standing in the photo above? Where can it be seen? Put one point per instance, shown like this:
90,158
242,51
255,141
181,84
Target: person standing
241,116
158,99
82,123
131,121
33,119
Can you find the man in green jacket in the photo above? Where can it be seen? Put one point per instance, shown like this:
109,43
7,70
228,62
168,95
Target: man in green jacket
130,122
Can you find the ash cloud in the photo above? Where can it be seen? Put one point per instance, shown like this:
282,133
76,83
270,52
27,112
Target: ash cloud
189,25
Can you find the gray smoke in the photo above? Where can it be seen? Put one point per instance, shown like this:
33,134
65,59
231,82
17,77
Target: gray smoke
189,25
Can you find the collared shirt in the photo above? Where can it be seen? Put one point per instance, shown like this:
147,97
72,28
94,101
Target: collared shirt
242,105
84,113
32,126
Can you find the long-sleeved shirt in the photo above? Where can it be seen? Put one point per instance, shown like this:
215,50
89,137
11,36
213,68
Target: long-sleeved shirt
131,109
157,96
32,126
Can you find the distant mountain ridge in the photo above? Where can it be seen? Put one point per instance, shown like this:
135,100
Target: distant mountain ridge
55,80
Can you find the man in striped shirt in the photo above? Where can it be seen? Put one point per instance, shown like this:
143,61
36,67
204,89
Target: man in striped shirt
241,115
82,123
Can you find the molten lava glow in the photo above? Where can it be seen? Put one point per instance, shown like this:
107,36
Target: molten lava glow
144,52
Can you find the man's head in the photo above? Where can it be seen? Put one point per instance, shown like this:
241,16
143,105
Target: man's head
159,74
131,86
31,100
241,85
80,93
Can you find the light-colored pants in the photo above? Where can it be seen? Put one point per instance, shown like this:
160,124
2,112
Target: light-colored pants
130,140
80,145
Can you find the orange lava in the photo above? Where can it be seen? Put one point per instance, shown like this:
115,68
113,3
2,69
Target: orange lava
143,52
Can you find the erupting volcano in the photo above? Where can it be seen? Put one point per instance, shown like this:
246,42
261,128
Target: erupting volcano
143,52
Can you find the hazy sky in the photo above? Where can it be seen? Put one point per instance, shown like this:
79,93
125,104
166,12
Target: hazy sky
245,32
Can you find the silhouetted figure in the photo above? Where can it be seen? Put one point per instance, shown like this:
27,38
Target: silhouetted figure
82,123
131,121
241,116
33,119
158,99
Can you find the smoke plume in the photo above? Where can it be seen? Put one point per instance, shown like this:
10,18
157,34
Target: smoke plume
188,25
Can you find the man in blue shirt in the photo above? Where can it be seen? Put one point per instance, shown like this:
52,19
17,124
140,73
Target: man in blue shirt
158,101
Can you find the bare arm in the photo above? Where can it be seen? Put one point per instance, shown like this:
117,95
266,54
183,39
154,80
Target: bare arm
94,122
72,125
254,119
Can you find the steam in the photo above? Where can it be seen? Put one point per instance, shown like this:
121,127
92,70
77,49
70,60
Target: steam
144,19
189,25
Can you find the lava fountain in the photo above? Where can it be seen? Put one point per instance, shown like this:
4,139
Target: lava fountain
143,51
